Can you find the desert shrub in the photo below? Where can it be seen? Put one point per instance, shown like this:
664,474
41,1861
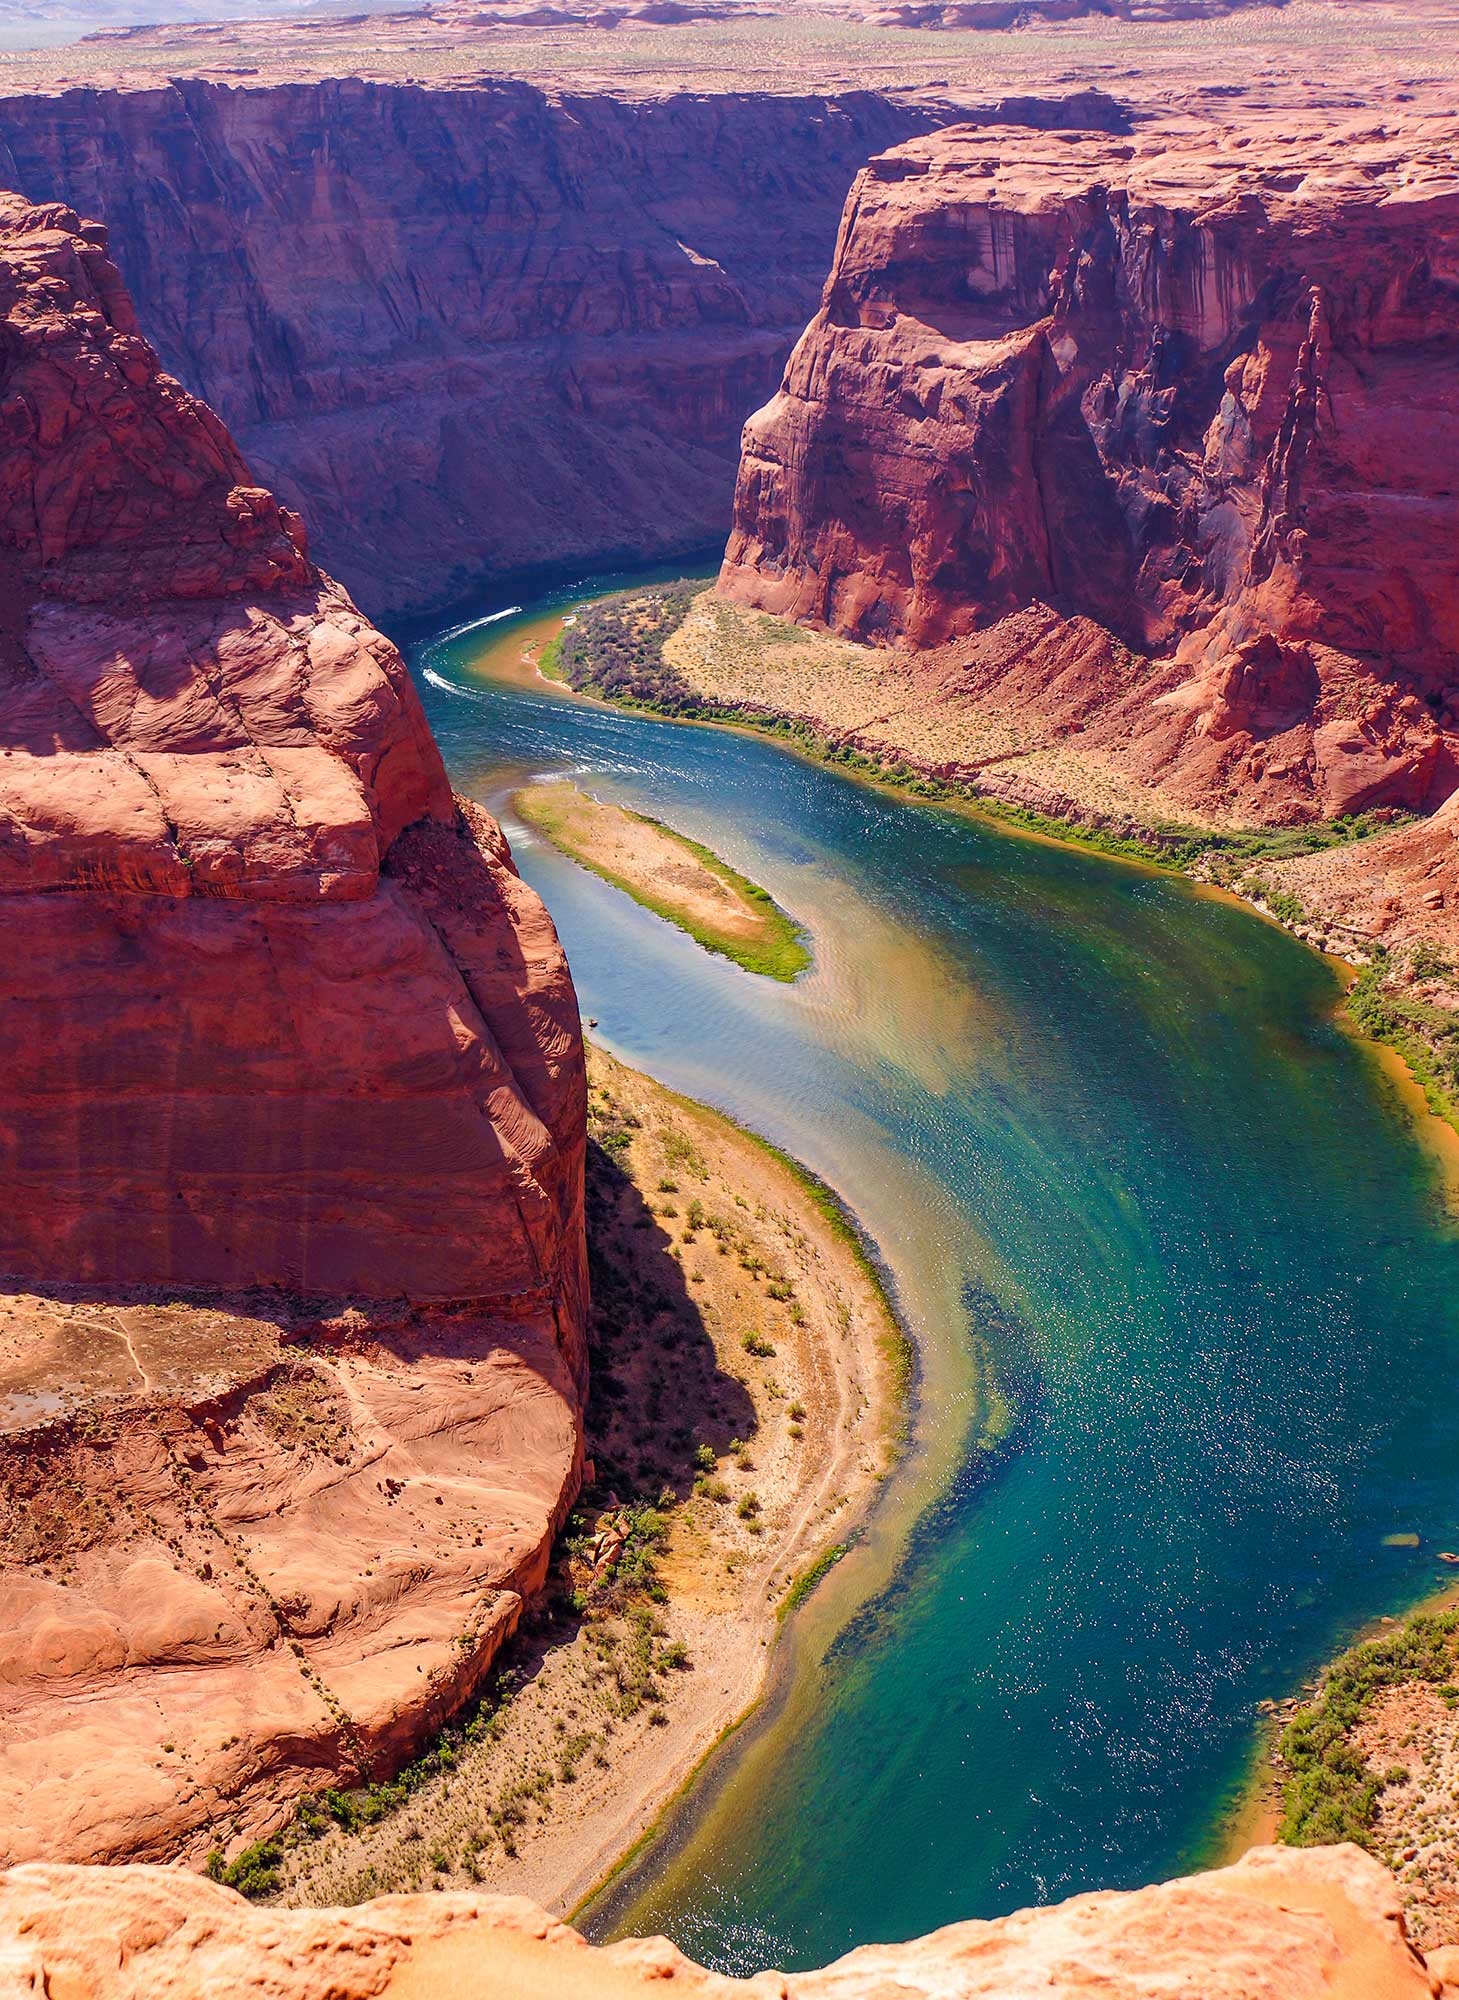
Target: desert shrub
1333,1792
253,1873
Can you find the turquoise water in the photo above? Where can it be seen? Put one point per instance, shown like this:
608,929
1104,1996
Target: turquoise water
1108,1127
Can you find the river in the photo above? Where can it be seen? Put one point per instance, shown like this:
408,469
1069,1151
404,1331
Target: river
1110,1138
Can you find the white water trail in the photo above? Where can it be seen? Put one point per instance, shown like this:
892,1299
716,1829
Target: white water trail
476,624
438,680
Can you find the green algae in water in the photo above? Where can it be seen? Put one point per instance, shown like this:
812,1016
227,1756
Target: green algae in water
1109,1128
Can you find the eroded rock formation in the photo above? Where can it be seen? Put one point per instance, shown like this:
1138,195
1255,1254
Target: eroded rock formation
1322,1924
279,1010
277,1013
1157,435
468,330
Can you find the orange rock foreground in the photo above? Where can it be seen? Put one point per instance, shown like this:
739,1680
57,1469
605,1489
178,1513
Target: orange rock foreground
275,1561
1282,1924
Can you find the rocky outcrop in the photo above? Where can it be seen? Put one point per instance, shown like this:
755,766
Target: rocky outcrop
252,1547
278,1009
1190,395
468,330
1322,1924
276,1013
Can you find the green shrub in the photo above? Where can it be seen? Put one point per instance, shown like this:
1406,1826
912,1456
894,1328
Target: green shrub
1426,1036
253,1873
1333,1793
1426,961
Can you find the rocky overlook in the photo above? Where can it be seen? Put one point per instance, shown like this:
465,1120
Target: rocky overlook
291,1132
1324,1924
1151,439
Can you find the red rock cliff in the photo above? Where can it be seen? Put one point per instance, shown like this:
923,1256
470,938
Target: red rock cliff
277,1019
471,329
1195,391
276,1009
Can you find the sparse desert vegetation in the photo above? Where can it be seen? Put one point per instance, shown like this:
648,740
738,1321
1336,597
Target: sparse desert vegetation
1374,1758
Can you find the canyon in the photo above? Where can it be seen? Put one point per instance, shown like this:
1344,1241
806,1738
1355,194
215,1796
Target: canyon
291,1135
466,292
1116,457
462,328
495,297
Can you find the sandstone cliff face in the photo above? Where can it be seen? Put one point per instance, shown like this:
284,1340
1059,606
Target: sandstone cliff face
468,330
1322,1924
276,1012
1197,396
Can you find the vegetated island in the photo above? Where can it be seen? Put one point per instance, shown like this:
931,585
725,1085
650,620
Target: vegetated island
748,1388
671,875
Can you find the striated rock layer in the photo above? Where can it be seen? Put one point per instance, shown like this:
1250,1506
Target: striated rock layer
1321,1924
468,330
276,1012
1186,400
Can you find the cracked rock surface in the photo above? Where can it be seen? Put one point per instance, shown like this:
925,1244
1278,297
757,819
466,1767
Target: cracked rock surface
292,1120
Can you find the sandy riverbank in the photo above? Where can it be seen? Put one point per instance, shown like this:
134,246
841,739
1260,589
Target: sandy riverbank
664,871
747,1396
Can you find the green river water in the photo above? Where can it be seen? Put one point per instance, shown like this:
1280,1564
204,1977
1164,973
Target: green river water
1113,1145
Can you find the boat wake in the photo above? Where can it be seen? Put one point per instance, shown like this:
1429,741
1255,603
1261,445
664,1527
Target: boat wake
438,680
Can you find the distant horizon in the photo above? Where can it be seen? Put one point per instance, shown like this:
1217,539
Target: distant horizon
54,24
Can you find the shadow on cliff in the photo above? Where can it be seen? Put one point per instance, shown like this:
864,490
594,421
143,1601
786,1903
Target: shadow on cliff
656,1392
